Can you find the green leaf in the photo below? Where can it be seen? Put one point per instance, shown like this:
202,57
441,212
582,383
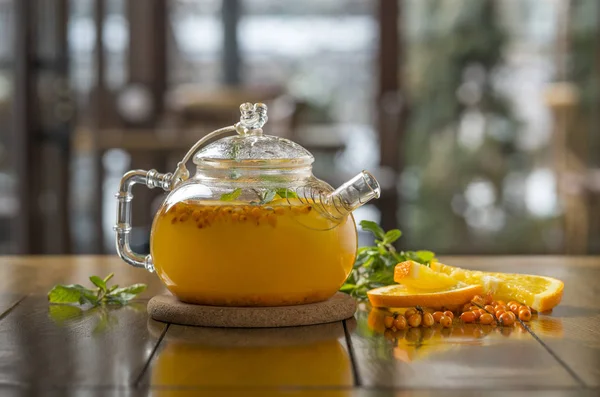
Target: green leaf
98,282
64,294
267,197
425,256
391,236
232,195
286,193
348,288
374,228
125,294
108,277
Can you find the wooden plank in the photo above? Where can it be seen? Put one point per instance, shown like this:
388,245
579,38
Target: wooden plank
54,346
471,356
249,359
59,346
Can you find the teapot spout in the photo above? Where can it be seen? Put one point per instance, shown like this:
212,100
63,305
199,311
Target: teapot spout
351,195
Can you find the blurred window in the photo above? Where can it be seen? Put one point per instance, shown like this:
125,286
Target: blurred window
481,173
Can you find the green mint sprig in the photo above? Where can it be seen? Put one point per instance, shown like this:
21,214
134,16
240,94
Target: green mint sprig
374,265
102,295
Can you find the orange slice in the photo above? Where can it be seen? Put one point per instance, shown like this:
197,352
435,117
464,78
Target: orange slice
402,296
417,276
540,292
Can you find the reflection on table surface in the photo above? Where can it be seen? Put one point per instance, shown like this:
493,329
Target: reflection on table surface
312,356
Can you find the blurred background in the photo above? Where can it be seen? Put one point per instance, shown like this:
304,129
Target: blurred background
480,118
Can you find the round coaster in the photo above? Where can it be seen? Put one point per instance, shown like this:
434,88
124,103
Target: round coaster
167,308
251,337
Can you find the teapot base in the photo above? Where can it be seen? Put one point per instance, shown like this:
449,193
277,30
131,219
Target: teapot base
167,308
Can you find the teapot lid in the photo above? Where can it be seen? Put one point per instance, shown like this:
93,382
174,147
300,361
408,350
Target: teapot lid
250,148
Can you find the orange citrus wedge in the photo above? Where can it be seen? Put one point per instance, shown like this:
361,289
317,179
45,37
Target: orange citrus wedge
540,292
417,276
403,296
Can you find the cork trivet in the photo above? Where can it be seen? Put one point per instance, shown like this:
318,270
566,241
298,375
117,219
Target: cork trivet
251,337
168,309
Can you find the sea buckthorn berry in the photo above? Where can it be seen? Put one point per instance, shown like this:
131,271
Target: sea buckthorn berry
235,217
493,303
256,212
473,308
486,319
272,219
388,321
428,320
524,315
437,316
509,304
184,217
506,319
448,313
521,307
410,312
446,322
501,303
466,307
512,315
481,312
415,320
467,317
196,215
174,220
476,314
243,218
499,312
489,309
514,308
478,300
400,322
306,209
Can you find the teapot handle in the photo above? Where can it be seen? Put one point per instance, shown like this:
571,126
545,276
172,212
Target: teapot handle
151,179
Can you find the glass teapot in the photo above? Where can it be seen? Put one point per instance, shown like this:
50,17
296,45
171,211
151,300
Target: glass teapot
253,226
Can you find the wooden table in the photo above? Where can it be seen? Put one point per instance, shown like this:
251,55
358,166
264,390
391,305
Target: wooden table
57,350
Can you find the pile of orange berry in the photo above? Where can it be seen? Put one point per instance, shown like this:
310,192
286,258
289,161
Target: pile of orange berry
488,311
418,317
207,215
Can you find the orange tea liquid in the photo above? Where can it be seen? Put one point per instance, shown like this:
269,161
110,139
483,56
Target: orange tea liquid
243,255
